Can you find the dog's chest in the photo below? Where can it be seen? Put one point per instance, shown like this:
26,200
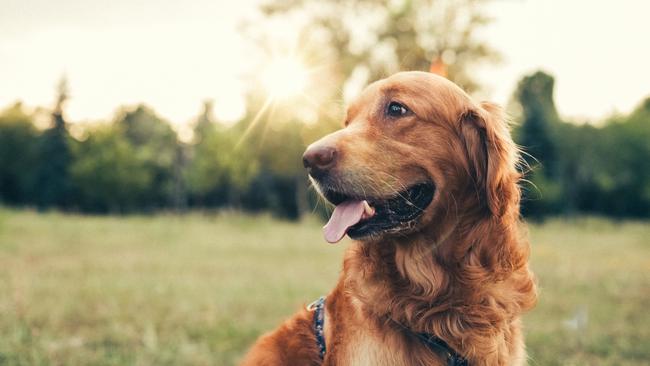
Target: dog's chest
368,349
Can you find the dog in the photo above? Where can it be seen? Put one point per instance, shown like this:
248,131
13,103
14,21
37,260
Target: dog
425,182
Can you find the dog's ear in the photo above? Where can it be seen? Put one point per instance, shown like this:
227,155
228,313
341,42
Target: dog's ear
491,156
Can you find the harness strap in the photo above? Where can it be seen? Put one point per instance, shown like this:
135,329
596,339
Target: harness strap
434,343
318,307
439,346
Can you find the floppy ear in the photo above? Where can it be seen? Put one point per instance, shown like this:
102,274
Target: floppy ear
492,156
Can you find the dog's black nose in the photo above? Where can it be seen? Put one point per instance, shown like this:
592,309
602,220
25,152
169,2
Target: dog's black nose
319,159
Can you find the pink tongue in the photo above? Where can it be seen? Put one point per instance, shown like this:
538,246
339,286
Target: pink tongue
346,214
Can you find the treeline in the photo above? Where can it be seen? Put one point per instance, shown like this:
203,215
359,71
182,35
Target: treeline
601,169
136,162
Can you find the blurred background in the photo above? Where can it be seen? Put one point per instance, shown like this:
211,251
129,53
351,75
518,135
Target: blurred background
153,205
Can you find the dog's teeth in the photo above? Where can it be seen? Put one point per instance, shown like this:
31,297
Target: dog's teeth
368,210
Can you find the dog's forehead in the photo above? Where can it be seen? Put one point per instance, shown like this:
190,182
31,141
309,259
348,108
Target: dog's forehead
425,93
377,93
369,97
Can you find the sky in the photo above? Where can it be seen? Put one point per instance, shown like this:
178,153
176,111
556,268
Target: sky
598,52
173,55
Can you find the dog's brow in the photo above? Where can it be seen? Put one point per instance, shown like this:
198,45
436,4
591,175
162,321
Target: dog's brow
347,119
391,90
352,111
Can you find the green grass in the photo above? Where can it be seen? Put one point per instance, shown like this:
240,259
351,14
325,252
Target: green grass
198,289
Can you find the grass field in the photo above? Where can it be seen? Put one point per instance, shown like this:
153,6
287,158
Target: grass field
198,289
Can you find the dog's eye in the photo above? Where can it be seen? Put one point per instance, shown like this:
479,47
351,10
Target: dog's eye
396,109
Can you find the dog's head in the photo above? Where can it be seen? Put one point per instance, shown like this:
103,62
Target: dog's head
414,151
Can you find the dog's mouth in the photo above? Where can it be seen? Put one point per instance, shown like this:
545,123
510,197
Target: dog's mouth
363,217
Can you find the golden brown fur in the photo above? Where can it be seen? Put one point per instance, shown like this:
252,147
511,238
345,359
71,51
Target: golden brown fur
461,273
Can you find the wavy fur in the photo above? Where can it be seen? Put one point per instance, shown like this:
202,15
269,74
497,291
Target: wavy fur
461,274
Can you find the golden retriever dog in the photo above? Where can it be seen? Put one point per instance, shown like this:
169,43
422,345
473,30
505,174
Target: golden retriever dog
424,181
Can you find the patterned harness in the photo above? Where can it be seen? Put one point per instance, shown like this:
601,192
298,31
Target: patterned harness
434,343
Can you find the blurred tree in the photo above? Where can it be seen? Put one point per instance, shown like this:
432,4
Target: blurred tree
623,177
52,182
156,144
535,134
280,147
108,172
539,117
18,155
220,169
582,168
179,189
205,124
577,159
385,37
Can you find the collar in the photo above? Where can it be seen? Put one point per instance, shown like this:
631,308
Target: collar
434,343
318,307
441,347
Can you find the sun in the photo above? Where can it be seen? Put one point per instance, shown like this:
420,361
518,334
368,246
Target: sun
285,77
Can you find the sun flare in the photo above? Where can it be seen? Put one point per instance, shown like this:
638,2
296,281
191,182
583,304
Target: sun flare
285,77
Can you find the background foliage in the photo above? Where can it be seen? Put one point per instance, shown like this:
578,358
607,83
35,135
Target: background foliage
135,162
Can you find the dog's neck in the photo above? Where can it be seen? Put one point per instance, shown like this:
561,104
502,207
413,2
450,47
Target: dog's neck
474,283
